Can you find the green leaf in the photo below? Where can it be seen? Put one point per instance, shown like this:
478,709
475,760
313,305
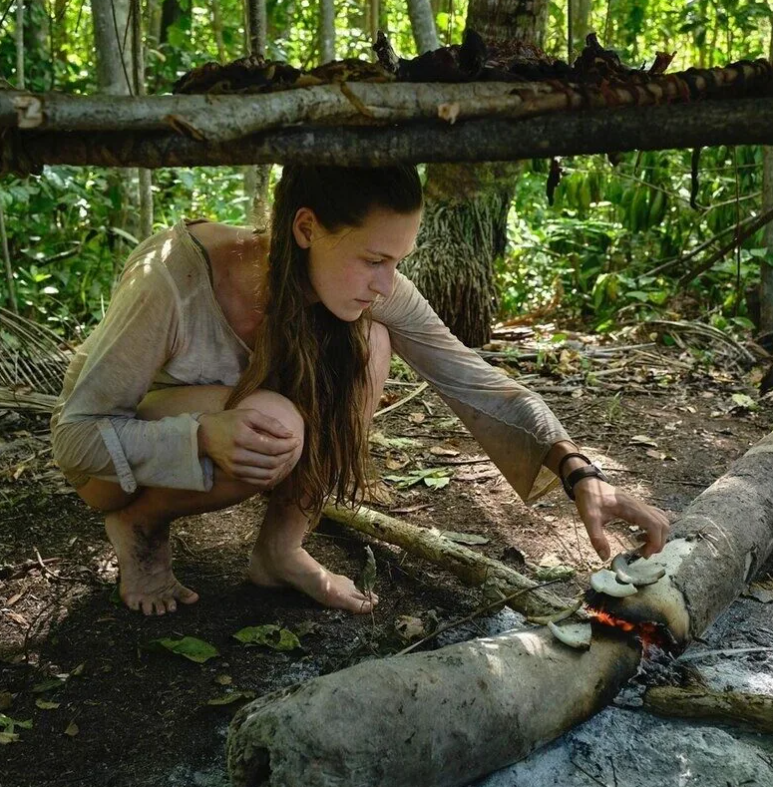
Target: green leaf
191,648
8,723
415,476
49,684
8,737
46,705
744,401
437,483
270,635
551,573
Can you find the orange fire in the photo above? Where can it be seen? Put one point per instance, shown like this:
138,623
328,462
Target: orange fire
648,633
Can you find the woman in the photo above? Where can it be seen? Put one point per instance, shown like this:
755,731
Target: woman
225,367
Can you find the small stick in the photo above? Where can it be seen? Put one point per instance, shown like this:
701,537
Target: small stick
473,615
402,401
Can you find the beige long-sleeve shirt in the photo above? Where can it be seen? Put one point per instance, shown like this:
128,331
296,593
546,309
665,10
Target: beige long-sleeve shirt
165,327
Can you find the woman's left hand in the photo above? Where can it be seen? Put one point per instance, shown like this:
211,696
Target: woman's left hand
599,503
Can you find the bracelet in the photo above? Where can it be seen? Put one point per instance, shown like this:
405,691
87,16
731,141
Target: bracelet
591,471
570,456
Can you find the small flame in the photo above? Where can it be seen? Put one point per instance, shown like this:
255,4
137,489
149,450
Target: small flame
648,633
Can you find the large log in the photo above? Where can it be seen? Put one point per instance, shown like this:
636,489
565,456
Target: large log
442,719
699,124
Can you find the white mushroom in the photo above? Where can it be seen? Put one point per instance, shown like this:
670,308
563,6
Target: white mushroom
575,635
640,573
605,581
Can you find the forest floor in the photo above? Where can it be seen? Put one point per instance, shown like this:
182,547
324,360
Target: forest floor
106,708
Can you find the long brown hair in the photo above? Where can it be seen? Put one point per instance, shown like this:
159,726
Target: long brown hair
306,353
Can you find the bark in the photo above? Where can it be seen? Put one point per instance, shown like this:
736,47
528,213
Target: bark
471,567
154,10
766,265
464,230
9,283
20,44
752,711
256,178
444,718
113,41
144,174
745,121
423,25
222,117
256,19
327,31
170,13
580,20
217,29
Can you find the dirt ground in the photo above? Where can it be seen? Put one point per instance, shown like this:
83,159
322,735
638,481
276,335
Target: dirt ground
664,422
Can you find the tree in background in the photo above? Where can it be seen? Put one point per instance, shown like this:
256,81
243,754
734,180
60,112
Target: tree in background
465,217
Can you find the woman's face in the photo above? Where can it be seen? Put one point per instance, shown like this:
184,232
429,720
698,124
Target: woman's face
349,268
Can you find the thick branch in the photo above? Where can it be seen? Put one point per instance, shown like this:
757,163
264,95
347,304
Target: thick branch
470,566
745,121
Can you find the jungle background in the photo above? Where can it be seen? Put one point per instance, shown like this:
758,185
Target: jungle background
617,303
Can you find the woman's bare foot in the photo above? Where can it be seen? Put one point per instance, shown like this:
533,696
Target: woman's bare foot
298,569
145,565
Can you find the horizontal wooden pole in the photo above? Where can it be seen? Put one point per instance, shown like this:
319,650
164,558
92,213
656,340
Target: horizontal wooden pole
698,124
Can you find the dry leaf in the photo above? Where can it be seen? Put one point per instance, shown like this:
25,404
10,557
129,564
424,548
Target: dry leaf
653,454
448,111
13,599
417,418
409,628
438,450
224,680
6,700
642,439
72,729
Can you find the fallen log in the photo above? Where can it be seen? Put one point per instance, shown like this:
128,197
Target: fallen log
470,566
444,718
752,711
699,124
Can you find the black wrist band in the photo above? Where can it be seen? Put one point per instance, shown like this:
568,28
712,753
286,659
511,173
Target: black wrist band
591,471
570,456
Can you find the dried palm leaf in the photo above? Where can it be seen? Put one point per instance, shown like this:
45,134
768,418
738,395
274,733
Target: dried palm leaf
33,358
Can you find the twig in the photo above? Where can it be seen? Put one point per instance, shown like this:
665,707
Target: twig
473,615
402,401
589,775
725,652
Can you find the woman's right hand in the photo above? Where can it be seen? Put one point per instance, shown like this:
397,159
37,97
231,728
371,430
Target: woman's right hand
248,445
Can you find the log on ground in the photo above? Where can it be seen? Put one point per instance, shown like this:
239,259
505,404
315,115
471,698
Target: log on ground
442,719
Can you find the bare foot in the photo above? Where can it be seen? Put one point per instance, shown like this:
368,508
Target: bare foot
145,565
298,569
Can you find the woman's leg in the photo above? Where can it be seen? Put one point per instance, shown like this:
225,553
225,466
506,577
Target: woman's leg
278,557
138,525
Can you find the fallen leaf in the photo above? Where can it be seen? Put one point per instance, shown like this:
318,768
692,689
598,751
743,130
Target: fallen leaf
270,635
396,464
464,538
438,450
72,729
417,418
228,699
224,680
367,579
642,439
744,402
448,111
46,705
409,627
653,454
6,700
78,671
49,685
13,599
436,483
8,737
550,573
191,648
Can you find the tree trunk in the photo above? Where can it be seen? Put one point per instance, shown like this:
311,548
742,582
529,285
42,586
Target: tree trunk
327,31
464,230
217,29
113,41
144,175
766,264
580,19
256,178
423,25
170,13
20,44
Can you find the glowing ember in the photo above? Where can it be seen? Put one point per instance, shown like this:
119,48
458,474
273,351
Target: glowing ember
648,633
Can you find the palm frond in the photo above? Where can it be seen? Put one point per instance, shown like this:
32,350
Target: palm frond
33,359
